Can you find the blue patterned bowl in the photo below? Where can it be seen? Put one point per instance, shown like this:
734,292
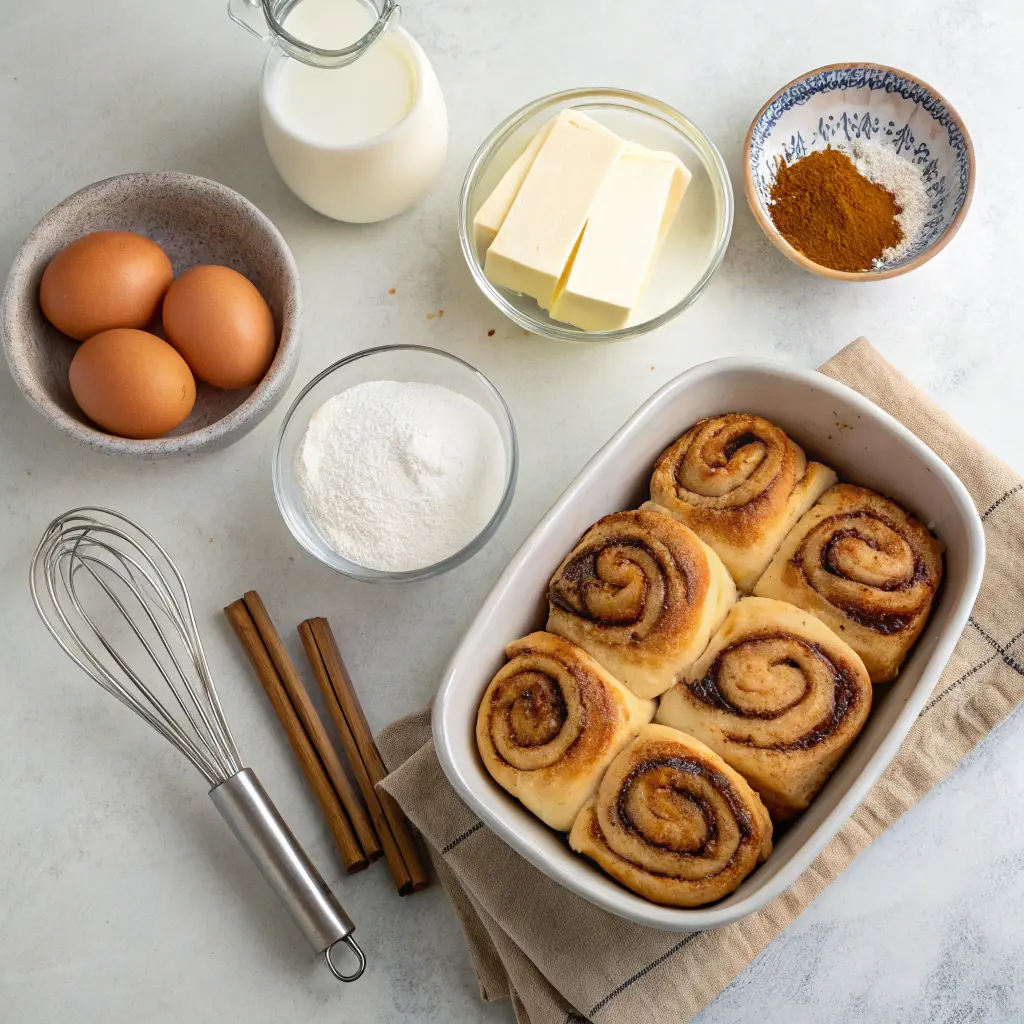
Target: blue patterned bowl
839,104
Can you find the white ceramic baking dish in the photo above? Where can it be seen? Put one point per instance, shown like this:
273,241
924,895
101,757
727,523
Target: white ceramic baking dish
834,424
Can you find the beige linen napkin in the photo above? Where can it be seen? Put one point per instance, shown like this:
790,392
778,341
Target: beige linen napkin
563,961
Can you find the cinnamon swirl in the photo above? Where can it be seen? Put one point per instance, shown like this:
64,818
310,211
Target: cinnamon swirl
550,722
866,568
642,594
673,822
740,484
779,696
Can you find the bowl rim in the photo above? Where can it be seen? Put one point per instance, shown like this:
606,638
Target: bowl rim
239,420
780,243
447,719
351,569
711,159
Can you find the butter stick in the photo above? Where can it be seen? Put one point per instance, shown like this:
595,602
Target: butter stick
535,244
491,215
628,222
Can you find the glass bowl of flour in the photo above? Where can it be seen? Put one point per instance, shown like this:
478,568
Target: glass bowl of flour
396,463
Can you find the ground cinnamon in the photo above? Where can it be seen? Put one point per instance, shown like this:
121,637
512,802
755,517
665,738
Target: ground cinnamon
824,207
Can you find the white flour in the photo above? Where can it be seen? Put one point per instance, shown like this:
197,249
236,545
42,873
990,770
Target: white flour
400,476
884,166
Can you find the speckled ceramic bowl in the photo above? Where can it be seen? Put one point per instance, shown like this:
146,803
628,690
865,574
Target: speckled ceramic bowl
195,221
841,103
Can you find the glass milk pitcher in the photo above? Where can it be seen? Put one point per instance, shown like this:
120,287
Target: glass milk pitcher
351,109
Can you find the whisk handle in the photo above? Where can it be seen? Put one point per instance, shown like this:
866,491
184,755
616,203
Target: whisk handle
243,803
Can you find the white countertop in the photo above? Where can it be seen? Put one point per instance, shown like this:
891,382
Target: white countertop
122,896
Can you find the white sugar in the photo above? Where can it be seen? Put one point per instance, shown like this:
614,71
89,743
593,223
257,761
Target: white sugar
398,476
884,166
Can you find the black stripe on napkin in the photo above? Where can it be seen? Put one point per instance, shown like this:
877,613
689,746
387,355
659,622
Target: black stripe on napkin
458,839
685,941
995,504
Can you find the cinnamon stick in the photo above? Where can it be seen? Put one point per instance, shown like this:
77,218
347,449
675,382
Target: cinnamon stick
352,855
352,711
396,864
313,726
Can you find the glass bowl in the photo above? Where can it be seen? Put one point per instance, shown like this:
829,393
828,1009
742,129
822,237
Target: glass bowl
695,245
402,363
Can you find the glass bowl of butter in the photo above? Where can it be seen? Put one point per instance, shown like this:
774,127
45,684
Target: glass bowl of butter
595,215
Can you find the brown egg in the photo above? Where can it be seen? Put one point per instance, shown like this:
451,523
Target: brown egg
132,383
104,280
222,326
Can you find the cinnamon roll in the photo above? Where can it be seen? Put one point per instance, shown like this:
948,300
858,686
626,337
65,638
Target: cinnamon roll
866,568
779,696
740,484
673,822
642,594
550,722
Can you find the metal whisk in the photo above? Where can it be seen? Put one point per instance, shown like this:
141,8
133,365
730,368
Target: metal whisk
96,572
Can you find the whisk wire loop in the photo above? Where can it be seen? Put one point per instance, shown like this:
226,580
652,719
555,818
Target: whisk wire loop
197,756
133,575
